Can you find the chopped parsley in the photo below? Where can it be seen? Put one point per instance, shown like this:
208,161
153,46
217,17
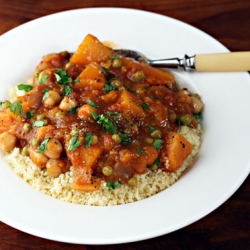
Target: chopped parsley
30,114
73,143
73,110
25,87
197,116
67,90
17,109
158,143
125,139
105,122
46,94
88,138
157,161
140,151
115,115
144,106
44,79
113,185
77,80
62,76
92,104
151,128
109,87
38,124
43,146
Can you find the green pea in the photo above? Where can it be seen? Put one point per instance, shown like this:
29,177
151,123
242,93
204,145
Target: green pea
117,63
94,139
26,127
40,117
107,170
139,76
149,140
132,182
154,167
116,138
35,142
135,143
172,116
5,104
186,119
25,151
156,134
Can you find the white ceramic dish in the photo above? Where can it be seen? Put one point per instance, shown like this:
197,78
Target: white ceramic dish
224,160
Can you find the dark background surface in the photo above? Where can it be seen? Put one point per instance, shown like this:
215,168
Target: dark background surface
228,227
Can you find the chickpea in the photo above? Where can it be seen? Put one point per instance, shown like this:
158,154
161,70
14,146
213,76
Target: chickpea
54,167
39,159
53,98
35,142
94,140
67,103
54,148
172,116
7,141
85,111
197,104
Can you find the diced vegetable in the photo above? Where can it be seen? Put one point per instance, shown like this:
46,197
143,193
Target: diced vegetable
91,50
177,149
91,78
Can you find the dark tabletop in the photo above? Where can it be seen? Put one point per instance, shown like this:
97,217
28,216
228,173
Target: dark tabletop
228,21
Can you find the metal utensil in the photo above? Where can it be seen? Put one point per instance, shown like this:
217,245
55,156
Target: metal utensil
227,62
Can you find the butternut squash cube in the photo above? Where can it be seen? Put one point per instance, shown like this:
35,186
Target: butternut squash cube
91,50
91,78
177,149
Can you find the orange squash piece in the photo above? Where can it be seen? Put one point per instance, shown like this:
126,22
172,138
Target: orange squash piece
6,120
91,78
91,50
83,159
177,149
152,75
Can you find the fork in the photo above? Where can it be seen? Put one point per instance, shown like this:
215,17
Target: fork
227,62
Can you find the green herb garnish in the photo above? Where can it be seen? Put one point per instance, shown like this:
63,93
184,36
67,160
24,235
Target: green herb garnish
88,138
67,90
38,124
77,80
46,94
62,76
25,87
93,104
158,143
43,146
17,109
125,139
73,110
197,116
140,151
30,114
115,115
151,128
113,185
105,122
44,79
157,161
144,106
73,143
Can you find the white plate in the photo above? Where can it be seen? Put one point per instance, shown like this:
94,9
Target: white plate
222,166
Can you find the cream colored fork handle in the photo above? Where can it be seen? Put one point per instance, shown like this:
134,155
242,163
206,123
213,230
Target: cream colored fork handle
233,61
